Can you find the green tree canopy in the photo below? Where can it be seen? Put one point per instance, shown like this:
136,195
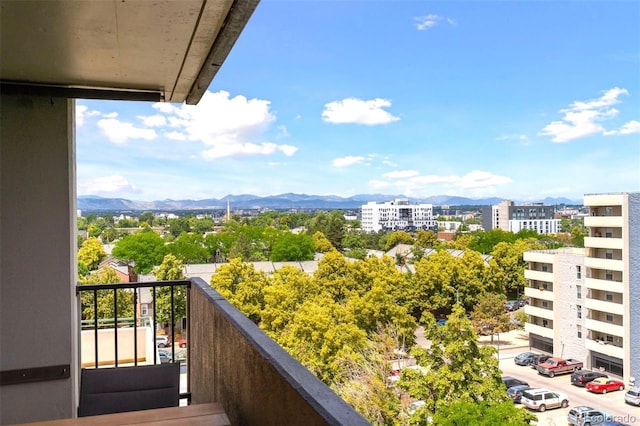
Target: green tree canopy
189,248
454,369
91,253
145,249
398,237
105,298
171,269
290,247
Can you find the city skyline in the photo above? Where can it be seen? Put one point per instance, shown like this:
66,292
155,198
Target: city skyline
519,100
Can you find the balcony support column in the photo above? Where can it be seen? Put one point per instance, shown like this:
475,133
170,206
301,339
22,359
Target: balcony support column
38,317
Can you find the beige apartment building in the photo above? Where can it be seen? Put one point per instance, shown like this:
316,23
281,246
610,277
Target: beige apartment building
585,303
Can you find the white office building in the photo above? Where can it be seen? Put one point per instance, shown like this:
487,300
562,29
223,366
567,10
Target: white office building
511,217
398,215
585,303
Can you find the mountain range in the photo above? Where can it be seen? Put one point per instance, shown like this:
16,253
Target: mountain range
286,201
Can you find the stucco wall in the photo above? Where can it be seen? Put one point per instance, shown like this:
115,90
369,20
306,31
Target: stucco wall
37,234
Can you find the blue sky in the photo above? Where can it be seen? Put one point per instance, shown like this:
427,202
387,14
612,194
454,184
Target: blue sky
519,100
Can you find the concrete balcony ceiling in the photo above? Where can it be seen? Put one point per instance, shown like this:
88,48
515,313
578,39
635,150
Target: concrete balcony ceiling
115,49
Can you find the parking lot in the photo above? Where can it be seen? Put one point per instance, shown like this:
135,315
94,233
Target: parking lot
612,402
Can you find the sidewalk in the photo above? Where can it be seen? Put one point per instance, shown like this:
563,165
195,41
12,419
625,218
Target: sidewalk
509,340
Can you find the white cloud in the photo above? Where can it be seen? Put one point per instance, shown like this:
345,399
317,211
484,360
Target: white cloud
583,119
156,120
83,112
113,184
247,149
358,111
347,161
176,136
411,182
401,174
120,132
627,129
524,139
430,21
228,127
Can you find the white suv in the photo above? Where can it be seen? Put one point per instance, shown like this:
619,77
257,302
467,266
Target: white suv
162,341
541,399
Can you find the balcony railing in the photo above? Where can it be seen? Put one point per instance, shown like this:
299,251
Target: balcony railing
233,362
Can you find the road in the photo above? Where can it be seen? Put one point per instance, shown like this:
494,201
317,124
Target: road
613,402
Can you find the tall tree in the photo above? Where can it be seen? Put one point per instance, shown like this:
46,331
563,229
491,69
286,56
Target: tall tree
171,269
293,247
458,370
105,298
91,253
145,249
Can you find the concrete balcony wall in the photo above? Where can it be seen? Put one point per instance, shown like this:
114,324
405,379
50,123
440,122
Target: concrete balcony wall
608,264
594,200
604,285
535,293
539,256
539,312
606,349
603,221
605,243
539,330
604,306
233,362
604,327
538,275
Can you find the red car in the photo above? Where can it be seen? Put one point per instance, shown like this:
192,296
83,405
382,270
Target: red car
604,385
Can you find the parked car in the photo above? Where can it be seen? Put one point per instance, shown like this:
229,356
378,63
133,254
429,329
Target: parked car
164,356
604,385
538,359
524,358
181,357
555,366
582,377
182,343
543,399
588,416
512,381
515,392
511,305
522,302
632,396
163,341
441,321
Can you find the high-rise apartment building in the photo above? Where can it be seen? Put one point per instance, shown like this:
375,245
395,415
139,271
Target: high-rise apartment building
398,215
511,217
585,303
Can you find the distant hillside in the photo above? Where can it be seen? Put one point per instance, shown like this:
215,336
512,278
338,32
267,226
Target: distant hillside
282,202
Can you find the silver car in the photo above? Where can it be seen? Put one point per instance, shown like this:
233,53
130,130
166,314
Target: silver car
632,396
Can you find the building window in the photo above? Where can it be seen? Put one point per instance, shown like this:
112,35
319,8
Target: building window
144,310
544,268
609,318
609,339
579,272
608,254
608,275
579,291
608,234
579,332
609,297
579,311
545,303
